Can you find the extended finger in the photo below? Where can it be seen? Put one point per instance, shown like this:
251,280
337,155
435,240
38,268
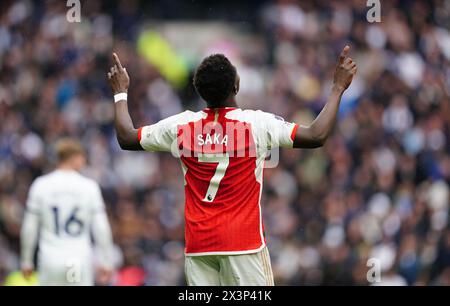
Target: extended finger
344,54
117,61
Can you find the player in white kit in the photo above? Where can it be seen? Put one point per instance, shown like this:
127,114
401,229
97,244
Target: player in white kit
63,209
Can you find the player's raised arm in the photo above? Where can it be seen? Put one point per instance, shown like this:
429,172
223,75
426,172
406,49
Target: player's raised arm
118,79
315,135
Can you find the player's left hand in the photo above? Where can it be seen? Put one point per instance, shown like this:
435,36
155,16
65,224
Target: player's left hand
118,77
345,70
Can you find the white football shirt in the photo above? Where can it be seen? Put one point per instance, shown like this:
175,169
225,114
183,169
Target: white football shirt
63,209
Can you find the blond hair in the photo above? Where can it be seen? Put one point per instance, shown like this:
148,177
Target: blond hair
67,148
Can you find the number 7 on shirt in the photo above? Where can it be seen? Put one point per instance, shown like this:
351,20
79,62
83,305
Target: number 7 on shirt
223,161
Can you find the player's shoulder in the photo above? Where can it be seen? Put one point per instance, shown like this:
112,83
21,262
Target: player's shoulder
182,118
88,182
43,180
39,182
77,179
189,116
254,116
43,183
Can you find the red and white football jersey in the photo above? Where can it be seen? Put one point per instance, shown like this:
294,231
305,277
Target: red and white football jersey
222,153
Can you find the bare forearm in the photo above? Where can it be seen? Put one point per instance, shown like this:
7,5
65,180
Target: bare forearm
323,125
127,135
315,135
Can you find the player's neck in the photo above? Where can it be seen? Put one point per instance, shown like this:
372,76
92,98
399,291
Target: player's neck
66,167
231,102
228,103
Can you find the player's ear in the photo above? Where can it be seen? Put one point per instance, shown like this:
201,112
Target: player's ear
237,83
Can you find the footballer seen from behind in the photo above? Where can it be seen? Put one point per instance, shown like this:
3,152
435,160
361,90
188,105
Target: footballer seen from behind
63,209
222,150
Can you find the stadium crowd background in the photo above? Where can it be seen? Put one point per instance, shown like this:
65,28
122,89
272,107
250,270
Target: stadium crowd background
379,187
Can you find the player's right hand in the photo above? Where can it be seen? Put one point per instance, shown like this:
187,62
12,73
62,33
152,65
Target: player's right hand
104,276
345,70
27,272
118,77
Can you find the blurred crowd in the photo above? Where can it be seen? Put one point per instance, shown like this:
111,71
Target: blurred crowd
378,189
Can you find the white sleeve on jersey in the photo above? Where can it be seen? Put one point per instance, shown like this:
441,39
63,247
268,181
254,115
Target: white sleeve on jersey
159,136
101,229
34,198
30,228
278,132
28,239
97,203
162,135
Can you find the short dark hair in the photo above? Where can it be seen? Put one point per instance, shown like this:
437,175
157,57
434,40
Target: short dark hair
214,79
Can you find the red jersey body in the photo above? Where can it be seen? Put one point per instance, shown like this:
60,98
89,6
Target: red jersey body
222,153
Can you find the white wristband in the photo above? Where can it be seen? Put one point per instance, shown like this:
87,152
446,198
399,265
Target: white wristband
120,96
